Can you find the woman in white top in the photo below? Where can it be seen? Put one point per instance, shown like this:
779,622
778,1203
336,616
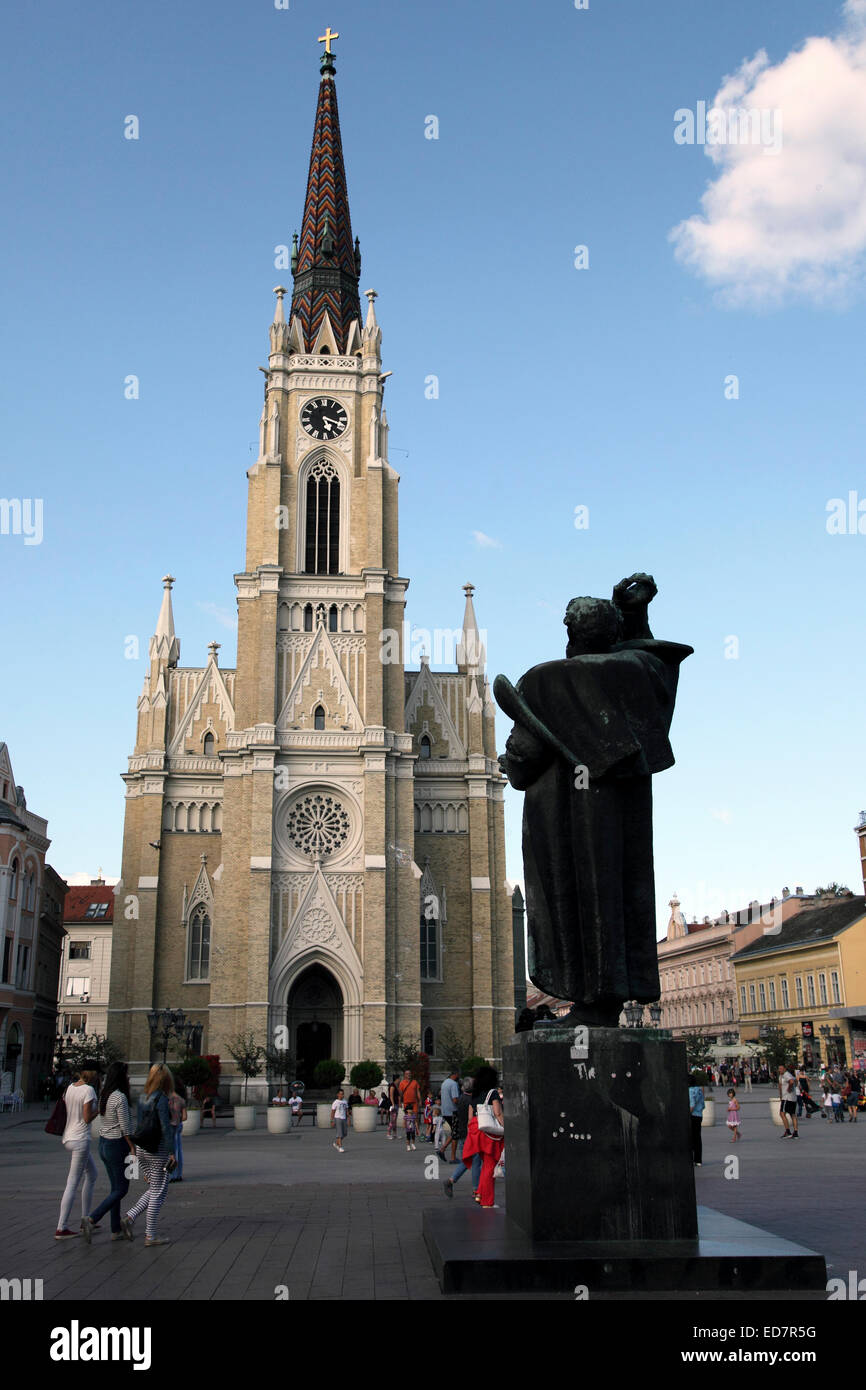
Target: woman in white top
81,1106
115,1147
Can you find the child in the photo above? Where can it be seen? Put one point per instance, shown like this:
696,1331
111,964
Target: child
297,1107
734,1113
838,1114
339,1119
411,1130
827,1101
438,1139
428,1118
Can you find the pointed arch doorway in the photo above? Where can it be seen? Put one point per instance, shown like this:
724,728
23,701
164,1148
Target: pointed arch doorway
314,1015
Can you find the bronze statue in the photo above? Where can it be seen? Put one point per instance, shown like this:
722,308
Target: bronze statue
590,730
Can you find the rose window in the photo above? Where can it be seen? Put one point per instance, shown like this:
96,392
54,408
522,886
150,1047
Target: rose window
318,825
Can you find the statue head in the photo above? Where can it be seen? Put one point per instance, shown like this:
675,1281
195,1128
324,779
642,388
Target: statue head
593,624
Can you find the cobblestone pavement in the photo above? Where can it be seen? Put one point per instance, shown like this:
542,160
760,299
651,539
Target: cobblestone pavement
260,1215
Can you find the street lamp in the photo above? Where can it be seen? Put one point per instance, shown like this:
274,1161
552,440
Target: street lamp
167,1024
633,1014
655,1013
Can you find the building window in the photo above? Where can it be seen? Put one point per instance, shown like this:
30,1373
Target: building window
701,972
13,884
428,1043
208,745
77,984
21,966
694,976
319,718
834,985
763,996
786,1003
798,987
429,943
752,1004
96,910
425,747
74,1023
719,971
822,986
810,988
308,617
742,999
322,541
79,950
199,945
773,995
332,618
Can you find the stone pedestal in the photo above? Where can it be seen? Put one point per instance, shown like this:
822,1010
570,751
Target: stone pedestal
597,1136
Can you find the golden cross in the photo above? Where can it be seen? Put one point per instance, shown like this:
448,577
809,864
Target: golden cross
326,38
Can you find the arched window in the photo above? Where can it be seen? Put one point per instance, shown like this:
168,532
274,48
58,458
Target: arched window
425,747
199,945
332,618
208,745
322,539
428,1043
319,718
308,618
13,884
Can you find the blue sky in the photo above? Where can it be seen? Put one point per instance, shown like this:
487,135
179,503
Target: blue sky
601,387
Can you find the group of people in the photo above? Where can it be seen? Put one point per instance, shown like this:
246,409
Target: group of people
161,1112
840,1091
467,1118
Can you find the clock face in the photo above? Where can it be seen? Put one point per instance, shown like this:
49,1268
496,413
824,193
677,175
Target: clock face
324,418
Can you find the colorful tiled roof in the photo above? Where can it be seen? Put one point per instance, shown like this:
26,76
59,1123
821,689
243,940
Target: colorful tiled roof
807,928
328,262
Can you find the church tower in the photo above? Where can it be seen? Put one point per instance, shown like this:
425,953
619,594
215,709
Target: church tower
315,841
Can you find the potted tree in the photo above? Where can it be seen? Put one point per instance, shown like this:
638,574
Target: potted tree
365,1075
195,1073
327,1076
281,1066
247,1054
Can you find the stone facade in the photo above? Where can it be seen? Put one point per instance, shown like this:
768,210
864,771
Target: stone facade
88,919
315,840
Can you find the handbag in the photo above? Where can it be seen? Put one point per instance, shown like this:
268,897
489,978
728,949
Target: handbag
57,1119
148,1136
487,1121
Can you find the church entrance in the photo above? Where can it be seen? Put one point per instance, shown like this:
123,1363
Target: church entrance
315,1020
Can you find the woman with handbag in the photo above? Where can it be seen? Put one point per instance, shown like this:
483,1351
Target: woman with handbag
485,1132
81,1106
154,1149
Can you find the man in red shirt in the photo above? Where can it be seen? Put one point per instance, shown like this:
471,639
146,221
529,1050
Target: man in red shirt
410,1098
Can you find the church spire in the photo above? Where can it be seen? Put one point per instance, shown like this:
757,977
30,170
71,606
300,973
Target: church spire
471,656
326,270
164,645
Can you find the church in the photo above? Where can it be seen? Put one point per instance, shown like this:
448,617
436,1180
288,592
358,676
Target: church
315,840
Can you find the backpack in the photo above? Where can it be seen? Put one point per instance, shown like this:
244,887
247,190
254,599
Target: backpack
148,1136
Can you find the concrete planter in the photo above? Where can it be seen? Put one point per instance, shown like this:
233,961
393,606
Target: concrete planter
279,1119
364,1118
323,1114
192,1123
245,1117
774,1104
709,1116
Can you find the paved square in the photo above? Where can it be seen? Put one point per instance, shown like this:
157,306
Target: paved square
257,1212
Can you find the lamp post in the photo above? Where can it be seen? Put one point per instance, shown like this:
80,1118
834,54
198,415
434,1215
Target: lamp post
167,1024
633,1014
655,1013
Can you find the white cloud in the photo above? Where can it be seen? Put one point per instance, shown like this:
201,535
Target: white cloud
82,879
722,814
778,226
486,542
222,615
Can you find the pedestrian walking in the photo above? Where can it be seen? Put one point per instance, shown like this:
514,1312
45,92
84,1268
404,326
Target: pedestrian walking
733,1113
485,1118
177,1113
410,1098
81,1106
788,1104
115,1150
449,1096
393,1105
696,1116
852,1100
384,1106
428,1117
460,1123
340,1119
154,1164
827,1101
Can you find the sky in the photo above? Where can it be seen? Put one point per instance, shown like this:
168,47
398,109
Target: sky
667,334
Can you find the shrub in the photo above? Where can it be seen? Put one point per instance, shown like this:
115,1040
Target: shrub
470,1065
194,1073
328,1073
248,1054
366,1075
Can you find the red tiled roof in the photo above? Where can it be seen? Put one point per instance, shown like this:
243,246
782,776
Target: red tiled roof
79,898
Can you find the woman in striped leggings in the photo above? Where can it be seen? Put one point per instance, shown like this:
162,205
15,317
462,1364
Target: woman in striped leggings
155,1168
